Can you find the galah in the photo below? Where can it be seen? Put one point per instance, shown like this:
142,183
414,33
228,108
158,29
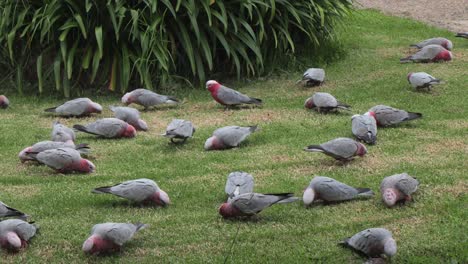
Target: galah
324,102
388,116
364,127
6,211
420,80
147,98
110,237
129,115
25,154
462,35
15,233
179,129
398,187
64,160
312,77
4,102
343,149
228,137
238,183
430,53
229,97
447,44
108,128
62,133
249,204
374,242
331,190
77,108
144,191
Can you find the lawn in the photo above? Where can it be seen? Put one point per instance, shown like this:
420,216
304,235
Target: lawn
432,229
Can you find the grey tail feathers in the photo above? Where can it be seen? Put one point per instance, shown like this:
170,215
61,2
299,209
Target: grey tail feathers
173,99
52,109
105,189
256,101
83,129
254,128
405,60
343,106
462,35
289,200
365,192
140,226
412,115
83,148
345,242
14,212
415,46
314,148
281,196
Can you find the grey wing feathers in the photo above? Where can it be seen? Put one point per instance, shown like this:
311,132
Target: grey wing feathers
252,203
239,183
330,189
135,190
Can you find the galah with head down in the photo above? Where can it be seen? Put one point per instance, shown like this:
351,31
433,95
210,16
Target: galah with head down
76,108
62,133
462,35
110,237
430,53
249,204
374,242
147,98
64,160
228,137
421,80
324,103
179,129
129,115
15,234
7,211
238,183
4,102
364,127
144,191
312,77
398,187
447,44
25,154
108,128
343,149
388,116
229,97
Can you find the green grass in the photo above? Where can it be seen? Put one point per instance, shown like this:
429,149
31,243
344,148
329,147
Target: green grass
432,229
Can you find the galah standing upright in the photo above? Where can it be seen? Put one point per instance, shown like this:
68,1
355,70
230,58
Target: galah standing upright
77,108
364,127
462,35
110,237
179,129
64,160
331,190
343,149
144,191
6,211
430,53
147,98
374,242
4,102
447,44
238,183
388,116
312,77
420,80
108,128
398,187
15,233
24,155
249,204
228,137
129,115
229,97
324,102
62,133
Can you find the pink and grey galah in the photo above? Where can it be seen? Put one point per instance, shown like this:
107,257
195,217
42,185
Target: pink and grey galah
143,191
110,237
312,77
343,149
331,190
447,44
462,35
64,160
15,234
249,204
324,103
7,211
147,98
76,108
430,53
108,128
421,80
30,153
364,127
398,187
373,242
229,97
388,116
62,133
4,102
228,137
238,183
179,129
129,115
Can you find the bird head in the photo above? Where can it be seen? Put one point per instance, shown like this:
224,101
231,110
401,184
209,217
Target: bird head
309,103
161,198
212,85
86,166
129,131
390,197
308,196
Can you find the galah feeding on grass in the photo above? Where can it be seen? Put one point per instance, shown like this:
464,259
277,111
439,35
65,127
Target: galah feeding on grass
129,115
312,77
144,191
420,80
6,211
147,98
15,234
25,154
343,149
388,116
179,129
373,242
4,102
64,160
331,190
76,108
62,133
238,183
462,35
229,97
228,137
364,127
398,187
108,128
447,44
110,237
324,103
249,204
430,53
